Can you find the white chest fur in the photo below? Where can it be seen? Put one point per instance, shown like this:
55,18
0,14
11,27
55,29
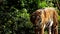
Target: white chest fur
49,24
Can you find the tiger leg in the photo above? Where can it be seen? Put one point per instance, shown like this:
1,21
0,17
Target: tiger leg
49,30
49,26
36,31
41,31
54,29
55,24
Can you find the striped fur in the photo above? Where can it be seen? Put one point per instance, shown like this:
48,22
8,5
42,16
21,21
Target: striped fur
45,18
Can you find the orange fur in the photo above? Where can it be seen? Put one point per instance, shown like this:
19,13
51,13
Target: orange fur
45,15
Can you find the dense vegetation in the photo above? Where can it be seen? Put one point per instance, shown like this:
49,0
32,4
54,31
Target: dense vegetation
15,14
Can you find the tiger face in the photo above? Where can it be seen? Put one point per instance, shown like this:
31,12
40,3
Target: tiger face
36,17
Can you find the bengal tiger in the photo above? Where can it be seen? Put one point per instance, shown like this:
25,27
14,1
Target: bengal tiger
45,18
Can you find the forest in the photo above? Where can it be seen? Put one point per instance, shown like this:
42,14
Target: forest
15,15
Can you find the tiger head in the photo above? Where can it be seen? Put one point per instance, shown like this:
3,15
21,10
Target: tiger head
36,17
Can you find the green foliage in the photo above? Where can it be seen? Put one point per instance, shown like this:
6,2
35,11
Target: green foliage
59,18
15,15
43,4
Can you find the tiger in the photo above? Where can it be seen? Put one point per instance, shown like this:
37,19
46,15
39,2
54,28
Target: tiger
45,18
